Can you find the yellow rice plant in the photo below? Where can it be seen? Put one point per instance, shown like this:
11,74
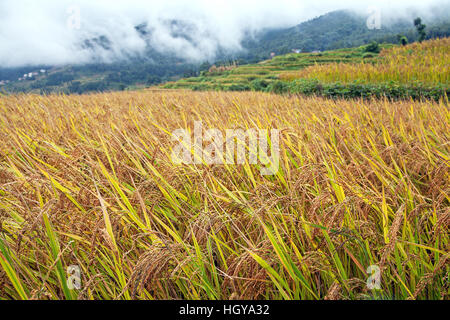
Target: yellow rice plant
427,62
88,181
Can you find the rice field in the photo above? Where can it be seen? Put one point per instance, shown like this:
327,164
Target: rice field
88,181
220,78
427,62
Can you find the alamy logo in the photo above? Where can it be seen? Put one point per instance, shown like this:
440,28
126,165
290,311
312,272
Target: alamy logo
374,281
235,147
74,18
374,20
74,277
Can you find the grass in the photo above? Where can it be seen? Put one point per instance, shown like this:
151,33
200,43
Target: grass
87,181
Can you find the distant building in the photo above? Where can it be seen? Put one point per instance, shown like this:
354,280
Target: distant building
296,50
43,71
273,54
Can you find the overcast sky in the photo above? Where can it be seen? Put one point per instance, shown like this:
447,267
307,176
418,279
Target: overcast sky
50,31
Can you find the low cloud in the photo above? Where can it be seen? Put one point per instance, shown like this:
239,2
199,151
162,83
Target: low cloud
75,32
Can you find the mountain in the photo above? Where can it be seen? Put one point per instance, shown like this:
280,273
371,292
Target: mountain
335,30
338,29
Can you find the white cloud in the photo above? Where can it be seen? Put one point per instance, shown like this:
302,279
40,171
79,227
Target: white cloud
37,32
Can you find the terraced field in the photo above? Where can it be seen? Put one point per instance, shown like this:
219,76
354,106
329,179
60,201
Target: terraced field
270,70
427,62
417,71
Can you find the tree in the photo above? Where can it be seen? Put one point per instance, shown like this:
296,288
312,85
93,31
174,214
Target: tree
420,29
403,40
205,66
374,47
